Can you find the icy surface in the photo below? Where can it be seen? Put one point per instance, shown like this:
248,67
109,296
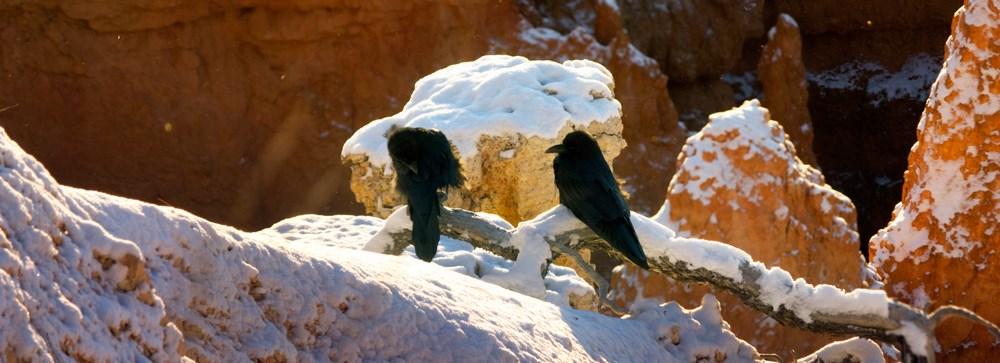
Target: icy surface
497,95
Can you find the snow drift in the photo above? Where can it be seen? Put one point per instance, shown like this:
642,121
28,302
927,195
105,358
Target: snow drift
88,276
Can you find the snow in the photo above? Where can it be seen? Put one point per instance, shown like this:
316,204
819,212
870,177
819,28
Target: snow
497,95
915,337
557,286
745,85
297,291
912,81
778,287
850,350
613,4
788,19
949,186
700,329
710,168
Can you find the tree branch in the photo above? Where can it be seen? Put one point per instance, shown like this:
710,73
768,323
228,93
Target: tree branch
900,324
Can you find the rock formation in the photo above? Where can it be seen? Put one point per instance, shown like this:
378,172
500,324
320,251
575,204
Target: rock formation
870,65
501,113
692,38
786,93
739,181
236,111
940,247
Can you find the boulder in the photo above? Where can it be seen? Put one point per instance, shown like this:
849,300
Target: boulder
501,113
740,182
940,247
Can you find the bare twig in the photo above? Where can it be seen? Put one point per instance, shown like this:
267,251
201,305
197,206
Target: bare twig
949,311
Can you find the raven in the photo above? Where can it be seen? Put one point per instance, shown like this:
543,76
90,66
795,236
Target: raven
587,187
424,163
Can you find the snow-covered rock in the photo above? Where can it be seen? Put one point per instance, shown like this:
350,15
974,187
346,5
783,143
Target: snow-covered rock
86,276
941,245
739,182
501,113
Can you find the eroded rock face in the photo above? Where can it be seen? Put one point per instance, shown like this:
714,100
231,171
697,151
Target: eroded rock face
867,88
940,246
693,38
236,111
786,93
739,181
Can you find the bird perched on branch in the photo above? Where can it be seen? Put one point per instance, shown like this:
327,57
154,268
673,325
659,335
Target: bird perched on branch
424,163
588,188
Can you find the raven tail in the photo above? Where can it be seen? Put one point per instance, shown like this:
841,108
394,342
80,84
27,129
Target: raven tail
623,238
426,231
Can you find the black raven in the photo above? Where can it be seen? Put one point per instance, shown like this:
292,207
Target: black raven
424,163
587,187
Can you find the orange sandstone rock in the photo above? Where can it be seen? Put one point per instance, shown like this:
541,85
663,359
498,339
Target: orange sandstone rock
786,93
739,181
941,246
237,110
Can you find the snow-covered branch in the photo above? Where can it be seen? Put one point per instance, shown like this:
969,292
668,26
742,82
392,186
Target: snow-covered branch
793,302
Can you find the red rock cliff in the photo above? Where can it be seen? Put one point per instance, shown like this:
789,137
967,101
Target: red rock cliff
237,110
940,247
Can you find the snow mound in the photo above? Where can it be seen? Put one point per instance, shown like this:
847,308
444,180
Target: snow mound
854,350
497,95
88,276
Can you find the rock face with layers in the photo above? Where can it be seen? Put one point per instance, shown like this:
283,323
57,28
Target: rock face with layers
519,108
940,247
691,38
739,182
786,91
242,107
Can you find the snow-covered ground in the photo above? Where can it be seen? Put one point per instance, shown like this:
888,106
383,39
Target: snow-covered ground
89,276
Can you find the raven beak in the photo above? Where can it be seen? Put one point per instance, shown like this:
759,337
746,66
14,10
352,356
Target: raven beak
413,167
556,149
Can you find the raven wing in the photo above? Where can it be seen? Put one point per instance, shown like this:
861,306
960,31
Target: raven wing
591,193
